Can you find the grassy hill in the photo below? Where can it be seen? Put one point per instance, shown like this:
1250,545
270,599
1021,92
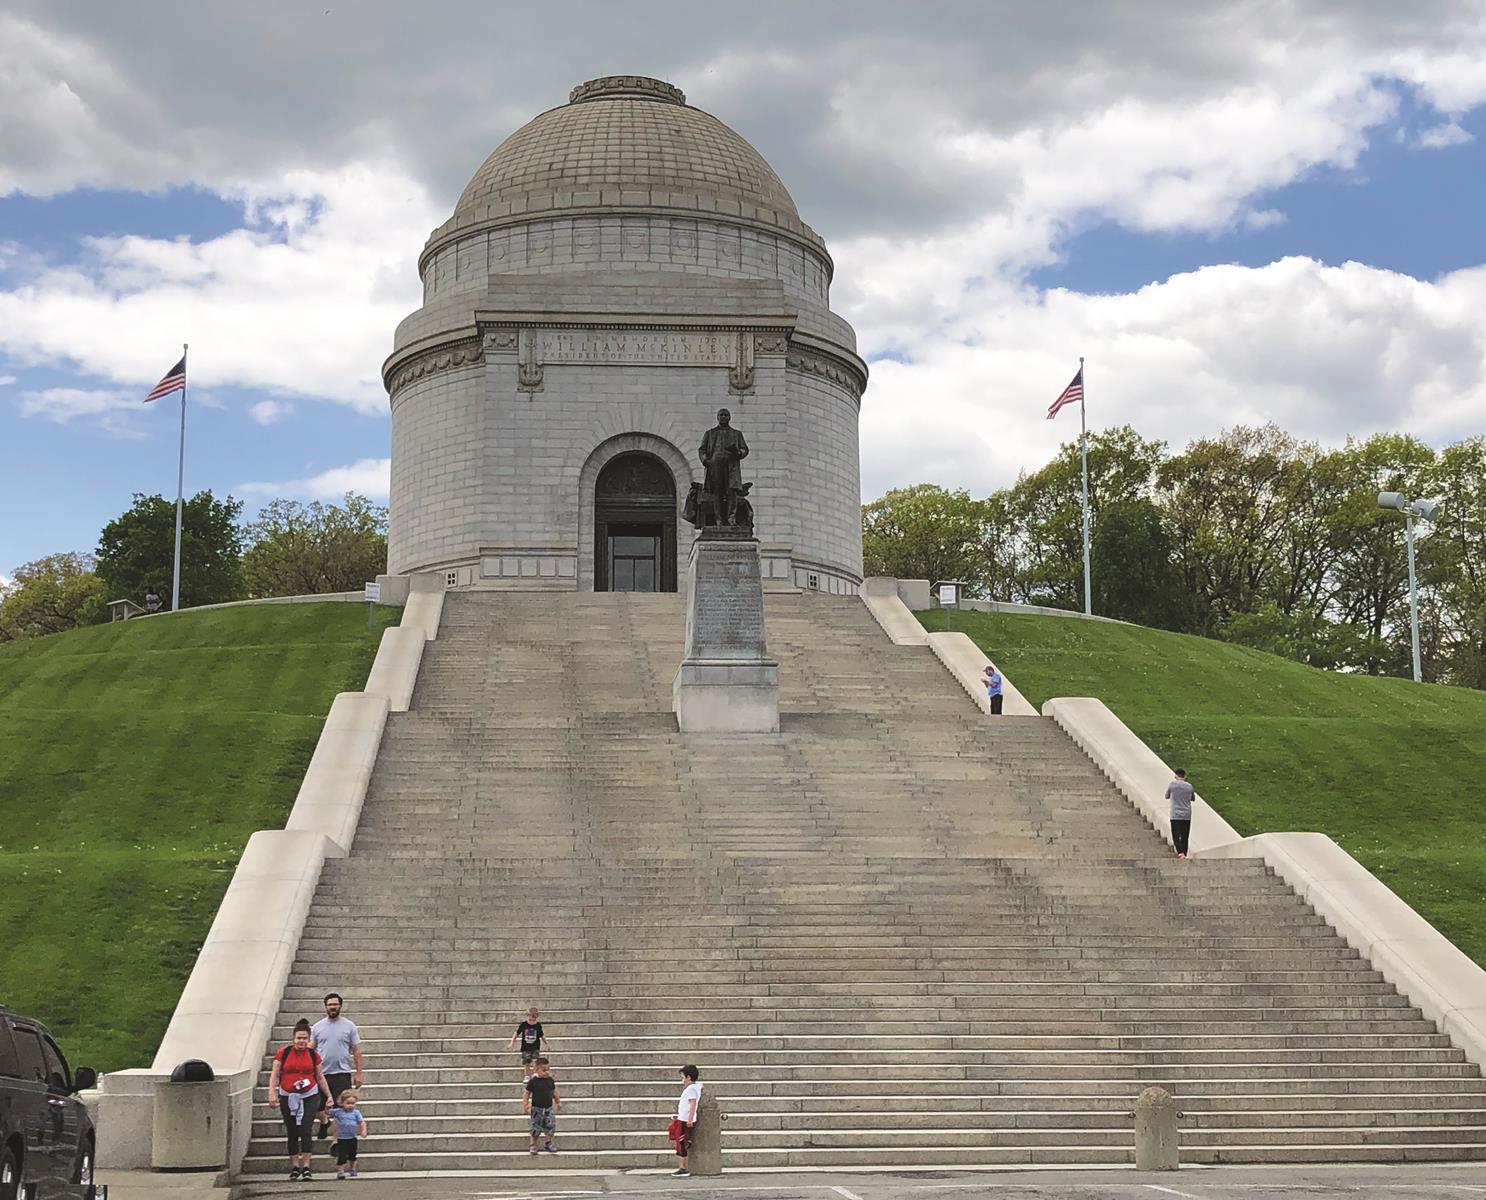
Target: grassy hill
1389,768
135,760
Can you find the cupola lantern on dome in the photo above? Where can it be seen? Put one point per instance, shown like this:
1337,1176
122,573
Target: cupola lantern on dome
615,271
641,87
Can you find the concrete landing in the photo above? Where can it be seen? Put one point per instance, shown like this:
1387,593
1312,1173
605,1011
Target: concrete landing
1449,1181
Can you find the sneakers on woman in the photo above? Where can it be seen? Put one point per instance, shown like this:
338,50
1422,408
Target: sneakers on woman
534,1150
293,1172
681,1173
550,1148
354,1172
306,1174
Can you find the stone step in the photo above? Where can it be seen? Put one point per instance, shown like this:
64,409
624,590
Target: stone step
930,1155
592,1117
1136,1074
763,1063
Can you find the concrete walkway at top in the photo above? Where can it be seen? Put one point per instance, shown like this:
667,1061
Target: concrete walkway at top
1444,1181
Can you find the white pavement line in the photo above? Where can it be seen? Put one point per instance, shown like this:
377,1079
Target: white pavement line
841,1191
1156,1187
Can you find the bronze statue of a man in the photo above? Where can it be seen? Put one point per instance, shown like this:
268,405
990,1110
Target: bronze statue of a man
723,448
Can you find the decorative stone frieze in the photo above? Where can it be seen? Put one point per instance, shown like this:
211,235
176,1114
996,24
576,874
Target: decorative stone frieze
826,368
435,361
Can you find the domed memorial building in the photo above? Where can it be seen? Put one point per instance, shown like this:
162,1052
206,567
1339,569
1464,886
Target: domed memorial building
618,270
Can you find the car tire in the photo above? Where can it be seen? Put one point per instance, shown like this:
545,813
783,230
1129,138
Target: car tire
85,1167
10,1175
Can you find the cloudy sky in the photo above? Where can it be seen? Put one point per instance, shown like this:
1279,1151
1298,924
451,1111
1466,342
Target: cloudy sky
1236,211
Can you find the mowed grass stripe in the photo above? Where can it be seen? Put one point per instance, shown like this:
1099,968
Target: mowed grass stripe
135,761
1387,767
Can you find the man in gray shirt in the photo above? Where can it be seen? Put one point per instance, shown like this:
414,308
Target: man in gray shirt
339,1043
1180,793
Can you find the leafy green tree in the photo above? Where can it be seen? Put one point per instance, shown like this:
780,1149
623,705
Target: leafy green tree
1137,578
1130,546
136,550
927,532
307,549
50,595
1452,556
1370,575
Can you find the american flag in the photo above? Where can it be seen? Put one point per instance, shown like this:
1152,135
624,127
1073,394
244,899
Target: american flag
1072,394
174,381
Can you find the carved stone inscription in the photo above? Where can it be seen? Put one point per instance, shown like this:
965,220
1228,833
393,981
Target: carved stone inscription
646,347
728,603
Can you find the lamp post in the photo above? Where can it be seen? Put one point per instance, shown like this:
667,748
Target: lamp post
1423,510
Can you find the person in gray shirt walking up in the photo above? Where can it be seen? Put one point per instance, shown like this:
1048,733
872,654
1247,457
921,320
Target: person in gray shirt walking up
339,1043
1180,793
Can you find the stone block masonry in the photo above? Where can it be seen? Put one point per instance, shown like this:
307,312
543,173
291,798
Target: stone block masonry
615,272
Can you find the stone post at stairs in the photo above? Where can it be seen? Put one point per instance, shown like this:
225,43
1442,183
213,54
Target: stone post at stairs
1157,1146
727,683
706,1138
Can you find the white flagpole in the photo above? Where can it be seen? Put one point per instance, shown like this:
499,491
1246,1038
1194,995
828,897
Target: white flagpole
180,488
1083,441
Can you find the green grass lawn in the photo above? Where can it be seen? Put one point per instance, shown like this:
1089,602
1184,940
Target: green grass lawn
1389,768
135,760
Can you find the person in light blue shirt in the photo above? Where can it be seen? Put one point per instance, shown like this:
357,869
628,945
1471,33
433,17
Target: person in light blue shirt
992,680
350,1128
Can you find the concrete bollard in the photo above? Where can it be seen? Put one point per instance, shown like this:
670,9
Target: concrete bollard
1156,1141
706,1138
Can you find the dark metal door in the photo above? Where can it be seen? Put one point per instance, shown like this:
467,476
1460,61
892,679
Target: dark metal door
635,526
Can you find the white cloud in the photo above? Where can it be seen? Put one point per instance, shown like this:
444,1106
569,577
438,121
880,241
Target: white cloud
267,412
71,118
111,408
1448,134
303,303
1323,351
368,476
7,380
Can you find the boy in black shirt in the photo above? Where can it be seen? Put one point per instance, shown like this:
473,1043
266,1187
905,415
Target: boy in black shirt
529,1034
540,1104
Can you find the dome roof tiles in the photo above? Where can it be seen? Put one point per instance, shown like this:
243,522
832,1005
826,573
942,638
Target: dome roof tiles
626,142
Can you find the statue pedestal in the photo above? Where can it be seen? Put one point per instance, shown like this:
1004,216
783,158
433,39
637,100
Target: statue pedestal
727,683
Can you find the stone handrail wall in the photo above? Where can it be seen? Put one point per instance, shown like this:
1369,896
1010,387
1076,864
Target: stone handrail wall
961,657
1134,768
232,997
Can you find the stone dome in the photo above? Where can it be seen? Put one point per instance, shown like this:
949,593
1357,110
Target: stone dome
628,143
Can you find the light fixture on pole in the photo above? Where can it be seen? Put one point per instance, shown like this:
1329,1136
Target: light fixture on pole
1423,510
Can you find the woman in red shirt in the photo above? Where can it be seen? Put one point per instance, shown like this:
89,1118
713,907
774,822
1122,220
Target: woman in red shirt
297,1087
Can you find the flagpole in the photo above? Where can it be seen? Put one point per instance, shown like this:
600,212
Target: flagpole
180,489
1083,441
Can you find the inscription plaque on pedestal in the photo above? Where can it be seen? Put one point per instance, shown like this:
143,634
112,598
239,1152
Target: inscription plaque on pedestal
727,683
725,614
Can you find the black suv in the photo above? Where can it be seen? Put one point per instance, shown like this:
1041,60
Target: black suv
46,1135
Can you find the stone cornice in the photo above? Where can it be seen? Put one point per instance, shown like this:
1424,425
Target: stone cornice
417,363
812,356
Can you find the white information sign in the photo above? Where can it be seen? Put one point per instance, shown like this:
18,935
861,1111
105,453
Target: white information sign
374,593
947,594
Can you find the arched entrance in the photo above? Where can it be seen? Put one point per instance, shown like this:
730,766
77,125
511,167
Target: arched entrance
634,525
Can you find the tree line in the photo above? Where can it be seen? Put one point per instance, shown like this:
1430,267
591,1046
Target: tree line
288,549
1252,536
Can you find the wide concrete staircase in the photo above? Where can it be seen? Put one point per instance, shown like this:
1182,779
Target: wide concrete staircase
898,933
